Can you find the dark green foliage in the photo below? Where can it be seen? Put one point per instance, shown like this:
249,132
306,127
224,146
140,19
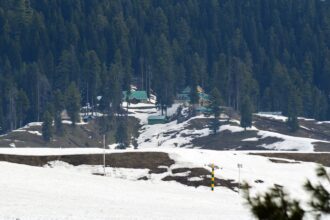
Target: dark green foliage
73,103
320,195
23,106
194,98
273,205
294,103
47,130
258,50
215,99
59,106
293,123
215,125
246,113
92,72
122,134
276,204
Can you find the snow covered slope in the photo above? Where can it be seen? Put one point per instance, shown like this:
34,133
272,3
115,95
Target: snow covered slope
63,191
195,133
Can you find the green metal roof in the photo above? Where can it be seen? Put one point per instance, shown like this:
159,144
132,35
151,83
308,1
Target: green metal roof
156,117
182,96
187,90
139,95
203,109
204,96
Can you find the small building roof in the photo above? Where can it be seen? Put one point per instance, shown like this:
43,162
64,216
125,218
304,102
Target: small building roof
187,90
204,96
156,117
203,109
139,95
182,96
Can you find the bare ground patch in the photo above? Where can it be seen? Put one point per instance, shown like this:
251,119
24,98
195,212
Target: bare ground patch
87,135
308,128
156,162
199,177
227,140
321,158
135,160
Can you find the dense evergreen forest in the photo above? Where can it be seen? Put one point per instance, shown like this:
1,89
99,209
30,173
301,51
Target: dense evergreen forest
275,52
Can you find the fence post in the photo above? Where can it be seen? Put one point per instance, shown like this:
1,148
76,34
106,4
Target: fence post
212,178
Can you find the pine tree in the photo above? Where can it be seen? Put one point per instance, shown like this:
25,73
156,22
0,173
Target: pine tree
293,110
92,69
23,106
194,97
320,201
246,113
122,136
59,106
73,103
273,205
47,130
215,99
276,204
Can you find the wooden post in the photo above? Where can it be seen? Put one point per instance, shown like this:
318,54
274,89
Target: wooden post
239,176
104,155
212,178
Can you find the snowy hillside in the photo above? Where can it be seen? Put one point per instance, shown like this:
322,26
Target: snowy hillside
195,133
168,176
62,191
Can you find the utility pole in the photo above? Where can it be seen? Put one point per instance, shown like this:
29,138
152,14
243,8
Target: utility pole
239,165
212,178
104,154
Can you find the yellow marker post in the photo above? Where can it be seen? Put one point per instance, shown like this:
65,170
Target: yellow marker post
212,178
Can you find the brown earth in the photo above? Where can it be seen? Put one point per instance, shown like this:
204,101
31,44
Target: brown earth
156,162
202,173
136,160
87,135
227,140
321,158
308,129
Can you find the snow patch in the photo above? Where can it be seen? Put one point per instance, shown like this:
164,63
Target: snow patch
289,142
233,128
35,132
276,117
251,139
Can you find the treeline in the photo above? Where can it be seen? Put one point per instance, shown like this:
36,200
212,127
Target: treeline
276,53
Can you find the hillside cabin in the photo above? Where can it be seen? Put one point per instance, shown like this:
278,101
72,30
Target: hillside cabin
203,110
184,96
156,119
135,97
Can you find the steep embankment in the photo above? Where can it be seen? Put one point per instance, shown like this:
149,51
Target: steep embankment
267,133
82,135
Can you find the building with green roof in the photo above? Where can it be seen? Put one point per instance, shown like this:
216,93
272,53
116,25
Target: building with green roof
156,119
136,96
184,96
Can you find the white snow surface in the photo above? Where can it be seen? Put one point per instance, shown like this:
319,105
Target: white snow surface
35,132
276,117
251,139
61,191
177,135
169,135
289,142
